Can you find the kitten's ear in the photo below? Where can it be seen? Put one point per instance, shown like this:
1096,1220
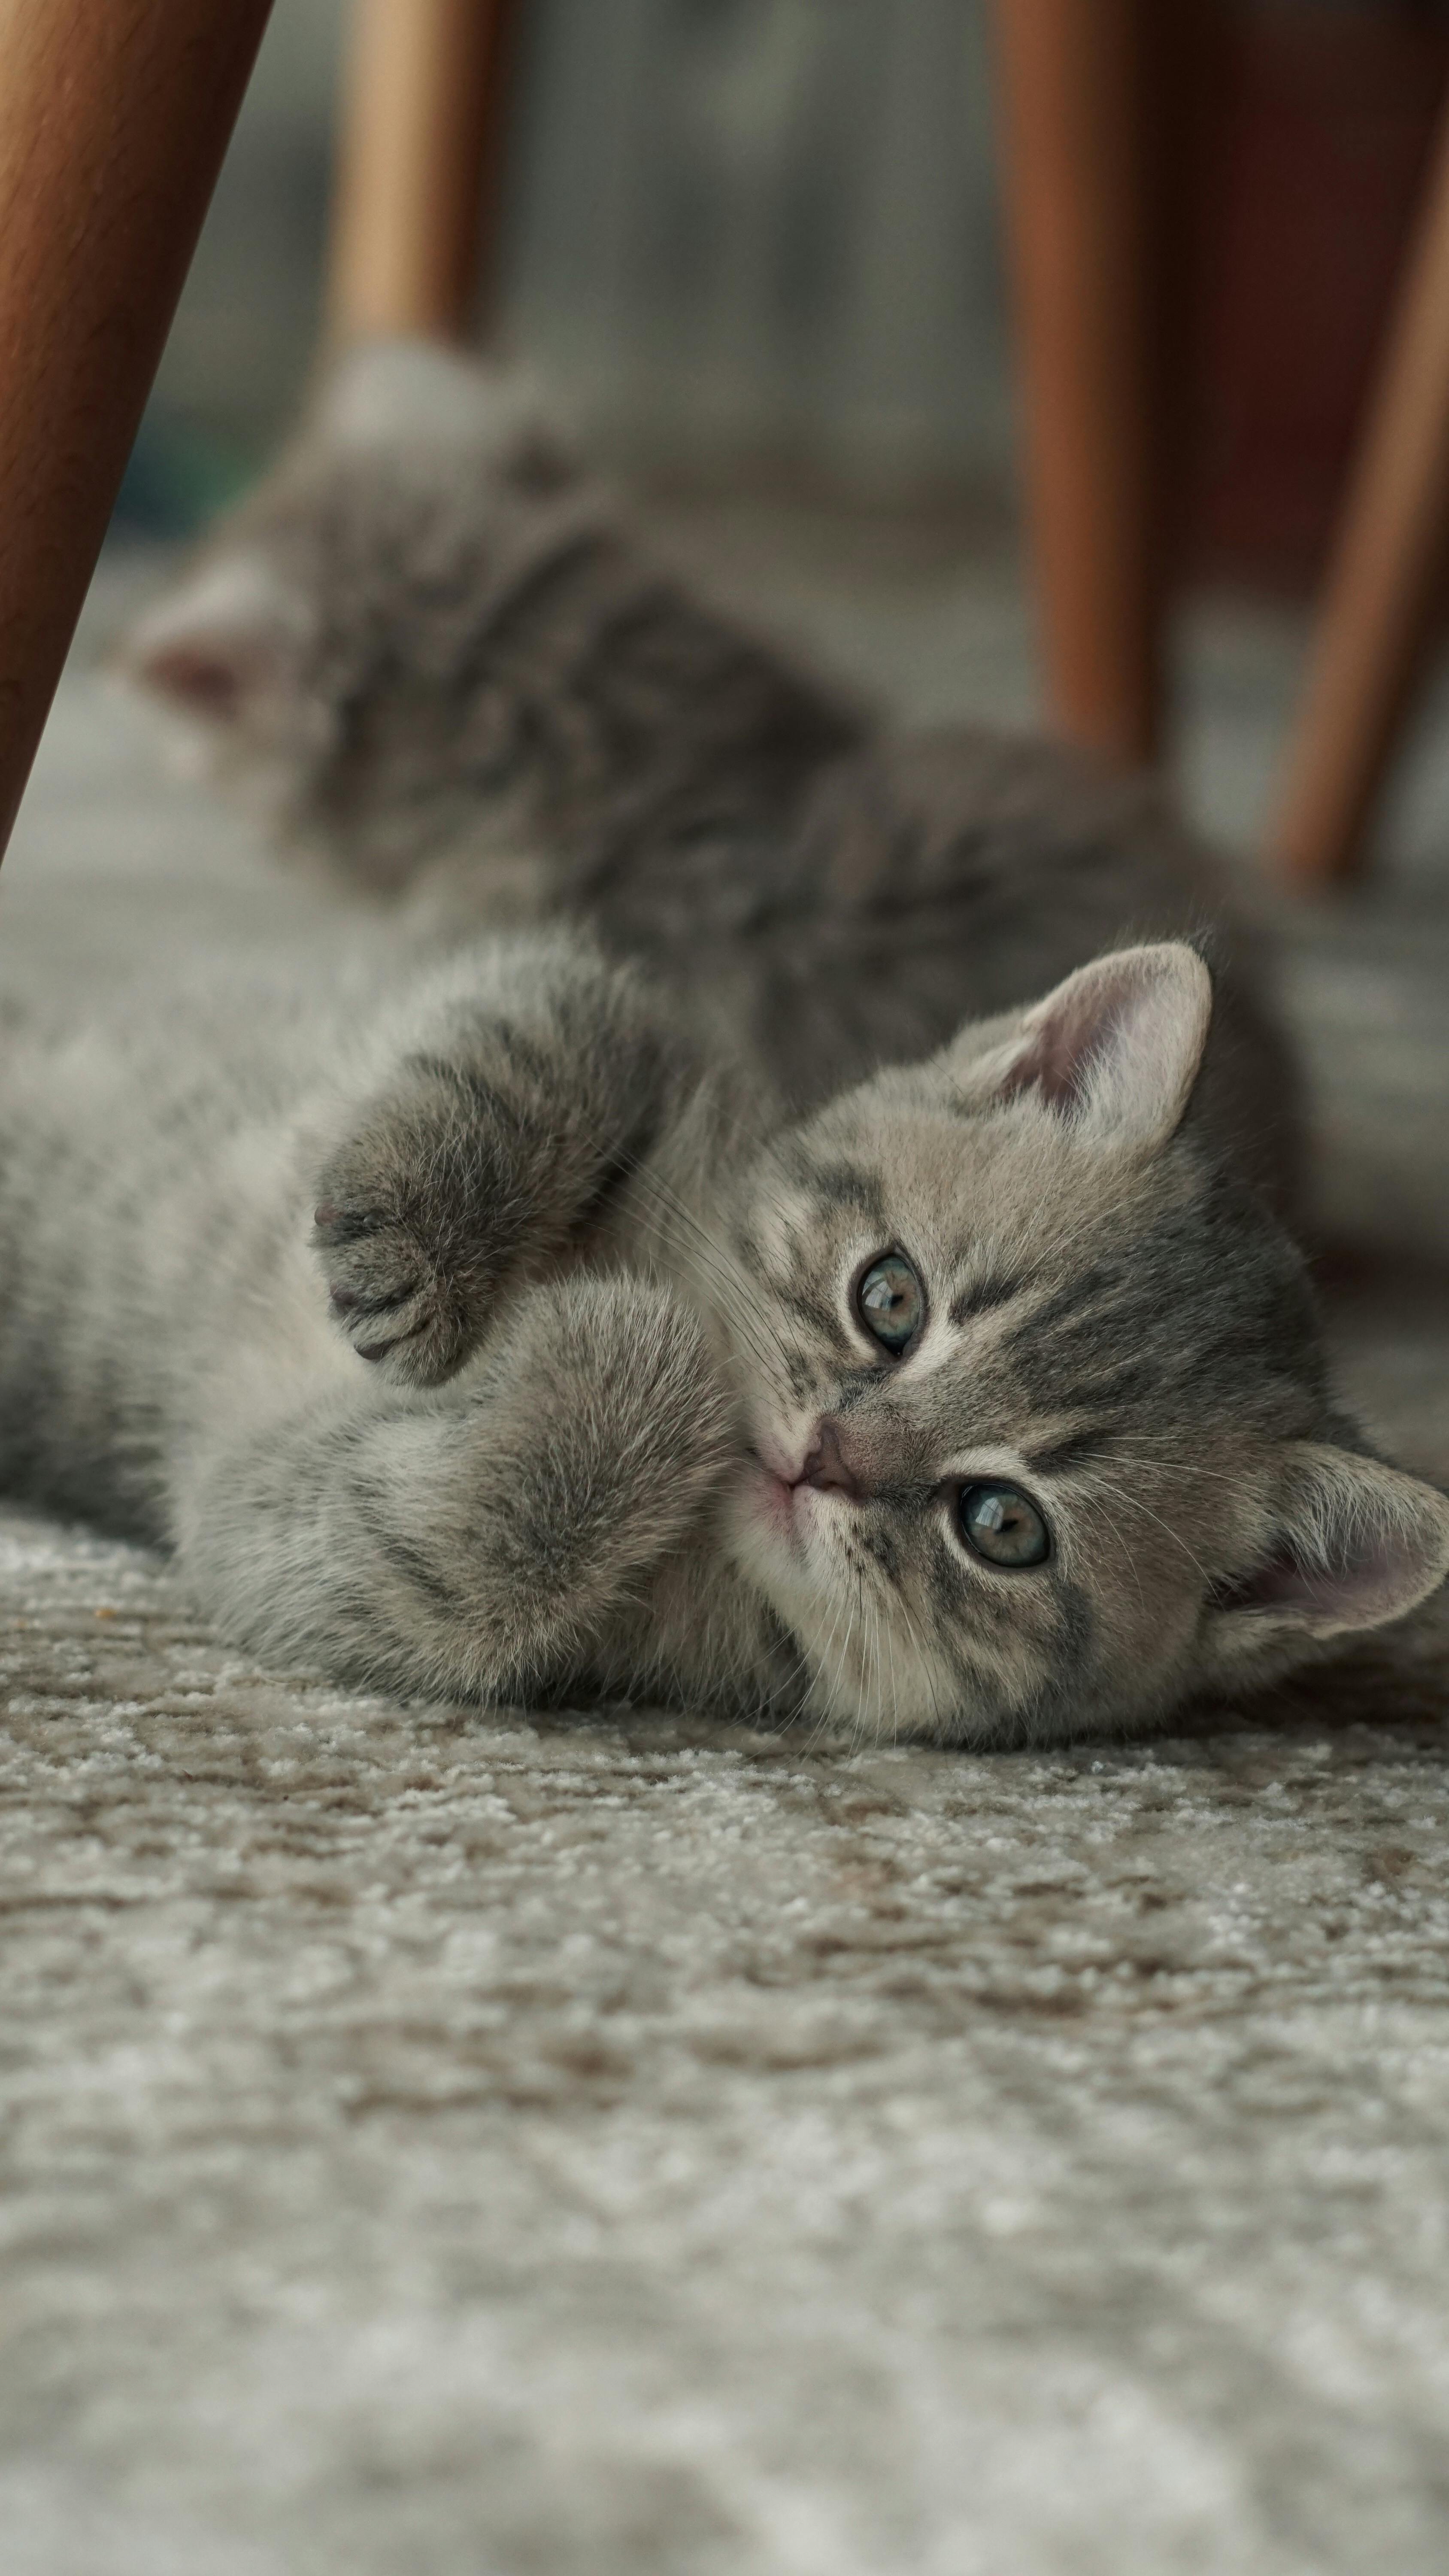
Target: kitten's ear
224,640
407,395
1116,1048
1357,1544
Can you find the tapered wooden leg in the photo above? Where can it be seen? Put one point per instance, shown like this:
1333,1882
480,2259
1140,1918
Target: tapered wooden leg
1384,585
421,127
1077,157
113,121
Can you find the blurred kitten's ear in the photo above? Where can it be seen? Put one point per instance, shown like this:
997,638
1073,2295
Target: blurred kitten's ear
1116,1048
409,396
1357,1544
224,640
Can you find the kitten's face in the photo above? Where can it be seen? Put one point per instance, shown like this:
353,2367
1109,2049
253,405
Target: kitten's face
1035,1400
317,654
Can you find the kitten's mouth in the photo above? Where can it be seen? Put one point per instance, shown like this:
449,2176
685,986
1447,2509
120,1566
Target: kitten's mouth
773,1495
786,1504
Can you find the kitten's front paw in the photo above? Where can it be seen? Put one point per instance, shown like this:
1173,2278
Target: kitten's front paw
406,1259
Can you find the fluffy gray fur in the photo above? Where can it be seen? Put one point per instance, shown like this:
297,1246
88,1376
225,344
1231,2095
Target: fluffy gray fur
473,1334
438,649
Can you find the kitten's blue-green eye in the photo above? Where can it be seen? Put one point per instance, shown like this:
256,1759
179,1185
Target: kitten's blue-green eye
1000,1523
891,1302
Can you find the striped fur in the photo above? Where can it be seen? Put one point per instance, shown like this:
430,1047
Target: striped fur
470,1333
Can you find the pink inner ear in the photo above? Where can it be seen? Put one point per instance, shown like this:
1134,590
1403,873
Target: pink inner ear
1281,1584
1360,1589
1116,1048
198,677
1063,1049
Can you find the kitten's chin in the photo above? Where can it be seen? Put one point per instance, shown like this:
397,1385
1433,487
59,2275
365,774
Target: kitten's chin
776,1548
768,1545
775,1541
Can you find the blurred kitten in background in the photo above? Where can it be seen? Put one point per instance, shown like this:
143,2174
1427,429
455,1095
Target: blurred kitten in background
435,647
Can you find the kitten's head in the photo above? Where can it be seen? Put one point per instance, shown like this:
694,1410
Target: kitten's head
1041,1434
323,649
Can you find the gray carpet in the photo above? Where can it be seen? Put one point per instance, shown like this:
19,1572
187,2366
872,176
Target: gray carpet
594,2148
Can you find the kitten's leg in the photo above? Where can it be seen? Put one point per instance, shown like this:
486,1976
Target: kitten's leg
508,1111
478,1542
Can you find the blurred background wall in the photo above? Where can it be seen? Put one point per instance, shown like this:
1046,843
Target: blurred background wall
768,226
732,229
761,237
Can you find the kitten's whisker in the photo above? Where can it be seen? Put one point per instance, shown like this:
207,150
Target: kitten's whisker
1096,1514
1130,1502
927,1665
895,1686
842,1662
718,1275
825,1651
866,1643
1184,1466
868,1686
895,1703
672,1199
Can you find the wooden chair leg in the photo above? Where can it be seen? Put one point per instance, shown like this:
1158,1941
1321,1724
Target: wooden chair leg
421,127
113,123
1384,584
1077,153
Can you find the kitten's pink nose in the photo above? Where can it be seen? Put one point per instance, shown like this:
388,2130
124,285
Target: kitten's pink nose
828,1468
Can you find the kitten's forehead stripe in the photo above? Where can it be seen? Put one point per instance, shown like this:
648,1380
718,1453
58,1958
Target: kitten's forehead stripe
1088,1290
1058,1457
844,1185
996,1288
1210,1321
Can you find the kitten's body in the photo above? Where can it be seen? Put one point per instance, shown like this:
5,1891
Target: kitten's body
443,653
171,1362
476,1334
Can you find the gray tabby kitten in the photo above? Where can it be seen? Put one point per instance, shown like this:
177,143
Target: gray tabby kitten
471,1334
438,650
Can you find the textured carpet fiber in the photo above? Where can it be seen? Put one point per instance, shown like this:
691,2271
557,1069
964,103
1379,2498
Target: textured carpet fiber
602,2148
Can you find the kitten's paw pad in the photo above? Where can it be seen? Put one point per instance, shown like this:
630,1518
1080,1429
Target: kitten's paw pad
393,1290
